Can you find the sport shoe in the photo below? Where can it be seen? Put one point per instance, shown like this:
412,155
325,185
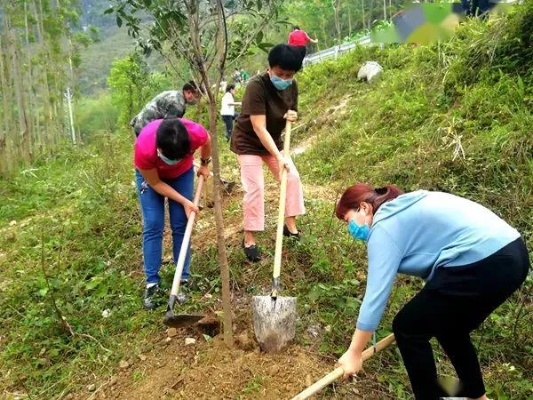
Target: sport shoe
252,253
289,234
153,297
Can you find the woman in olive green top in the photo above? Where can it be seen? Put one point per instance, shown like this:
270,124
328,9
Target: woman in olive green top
269,101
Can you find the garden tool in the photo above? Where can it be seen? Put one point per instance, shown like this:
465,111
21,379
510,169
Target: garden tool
338,372
182,320
275,316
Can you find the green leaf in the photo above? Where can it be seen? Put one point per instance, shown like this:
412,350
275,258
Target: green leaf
119,21
94,282
43,292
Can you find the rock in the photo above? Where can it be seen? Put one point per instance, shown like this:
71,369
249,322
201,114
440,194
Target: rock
106,313
274,370
142,357
244,342
189,341
12,223
369,71
113,381
171,332
124,364
91,387
314,330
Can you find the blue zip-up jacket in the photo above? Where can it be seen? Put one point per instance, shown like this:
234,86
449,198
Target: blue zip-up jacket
420,231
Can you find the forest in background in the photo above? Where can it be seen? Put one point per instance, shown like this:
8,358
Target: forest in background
55,56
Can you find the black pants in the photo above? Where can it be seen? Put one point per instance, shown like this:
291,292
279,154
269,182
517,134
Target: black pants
228,120
450,306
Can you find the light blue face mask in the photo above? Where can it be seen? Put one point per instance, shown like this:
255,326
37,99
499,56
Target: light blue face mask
166,160
359,232
280,84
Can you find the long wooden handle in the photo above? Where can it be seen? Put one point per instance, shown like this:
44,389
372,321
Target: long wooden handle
338,372
186,240
281,214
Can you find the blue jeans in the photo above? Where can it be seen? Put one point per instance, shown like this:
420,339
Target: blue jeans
153,212
228,120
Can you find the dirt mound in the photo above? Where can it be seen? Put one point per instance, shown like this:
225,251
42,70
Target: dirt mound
207,369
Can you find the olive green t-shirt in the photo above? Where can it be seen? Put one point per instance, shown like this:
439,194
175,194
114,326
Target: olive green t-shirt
262,98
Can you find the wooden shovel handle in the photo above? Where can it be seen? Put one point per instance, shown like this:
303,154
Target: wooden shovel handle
186,240
282,201
338,372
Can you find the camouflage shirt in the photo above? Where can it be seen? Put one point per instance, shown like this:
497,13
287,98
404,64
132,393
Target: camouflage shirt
168,104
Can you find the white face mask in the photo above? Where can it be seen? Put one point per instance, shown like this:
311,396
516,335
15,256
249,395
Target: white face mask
167,160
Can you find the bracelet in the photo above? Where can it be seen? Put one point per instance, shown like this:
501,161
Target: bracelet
205,161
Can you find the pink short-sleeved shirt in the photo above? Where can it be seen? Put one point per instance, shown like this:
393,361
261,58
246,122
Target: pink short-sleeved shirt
298,38
146,149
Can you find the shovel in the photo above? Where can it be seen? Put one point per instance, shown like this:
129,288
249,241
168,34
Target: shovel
275,316
338,372
182,320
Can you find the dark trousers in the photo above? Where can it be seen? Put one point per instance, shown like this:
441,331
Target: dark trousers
450,306
475,7
228,120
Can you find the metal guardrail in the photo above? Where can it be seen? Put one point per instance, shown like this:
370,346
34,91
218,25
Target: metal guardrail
336,50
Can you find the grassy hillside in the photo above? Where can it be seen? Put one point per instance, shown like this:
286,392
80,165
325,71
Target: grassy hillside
70,242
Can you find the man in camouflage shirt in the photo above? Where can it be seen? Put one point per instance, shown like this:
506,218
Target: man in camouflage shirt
168,104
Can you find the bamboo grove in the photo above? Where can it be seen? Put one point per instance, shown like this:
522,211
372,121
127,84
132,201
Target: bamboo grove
39,60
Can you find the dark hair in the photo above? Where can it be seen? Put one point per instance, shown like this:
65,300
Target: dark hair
172,138
191,86
295,27
286,57
230,87
352,197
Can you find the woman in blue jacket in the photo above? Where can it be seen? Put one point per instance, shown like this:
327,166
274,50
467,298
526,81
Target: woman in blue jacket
472,262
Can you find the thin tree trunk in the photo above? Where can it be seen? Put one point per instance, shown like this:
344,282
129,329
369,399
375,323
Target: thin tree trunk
336,6
363,14
23,142
349,22
5,160
219,220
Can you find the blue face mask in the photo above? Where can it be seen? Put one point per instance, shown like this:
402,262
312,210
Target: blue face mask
166,160
280,84
359,232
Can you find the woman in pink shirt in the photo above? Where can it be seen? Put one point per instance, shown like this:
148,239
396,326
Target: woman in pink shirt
164,154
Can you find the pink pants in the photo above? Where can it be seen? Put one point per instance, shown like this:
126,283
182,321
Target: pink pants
253,183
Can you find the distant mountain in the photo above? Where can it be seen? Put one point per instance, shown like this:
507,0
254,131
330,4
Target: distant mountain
93,14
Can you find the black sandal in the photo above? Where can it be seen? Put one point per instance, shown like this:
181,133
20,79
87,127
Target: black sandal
252,253
289,234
